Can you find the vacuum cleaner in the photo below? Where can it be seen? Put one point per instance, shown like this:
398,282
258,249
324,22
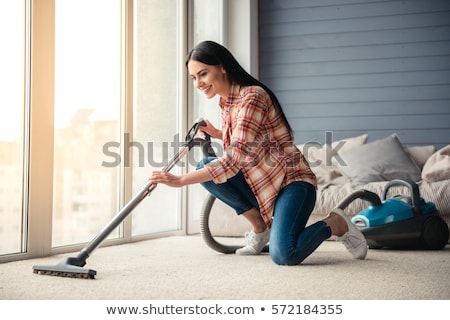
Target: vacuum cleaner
73,266
400,222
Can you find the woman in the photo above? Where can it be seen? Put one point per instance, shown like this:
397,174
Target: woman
261,175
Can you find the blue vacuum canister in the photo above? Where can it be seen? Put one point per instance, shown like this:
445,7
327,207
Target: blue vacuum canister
402,222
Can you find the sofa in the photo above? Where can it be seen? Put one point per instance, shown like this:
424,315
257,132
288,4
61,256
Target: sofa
347,165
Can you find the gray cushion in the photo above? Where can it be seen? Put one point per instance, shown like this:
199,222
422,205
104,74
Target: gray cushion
380,160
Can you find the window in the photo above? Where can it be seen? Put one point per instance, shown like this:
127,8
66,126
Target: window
157,111
13,57
87,118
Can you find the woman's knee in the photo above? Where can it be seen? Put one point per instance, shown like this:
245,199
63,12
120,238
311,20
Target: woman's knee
284,256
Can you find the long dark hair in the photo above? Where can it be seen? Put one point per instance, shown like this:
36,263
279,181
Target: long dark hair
212,53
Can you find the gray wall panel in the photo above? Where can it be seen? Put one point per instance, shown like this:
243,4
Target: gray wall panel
360,66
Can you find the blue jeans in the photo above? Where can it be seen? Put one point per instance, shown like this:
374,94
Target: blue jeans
291,241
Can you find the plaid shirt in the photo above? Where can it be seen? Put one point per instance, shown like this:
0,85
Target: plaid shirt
257,142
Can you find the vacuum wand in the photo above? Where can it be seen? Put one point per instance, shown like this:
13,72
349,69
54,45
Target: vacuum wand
73,266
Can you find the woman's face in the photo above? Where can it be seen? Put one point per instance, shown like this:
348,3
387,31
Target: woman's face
211,80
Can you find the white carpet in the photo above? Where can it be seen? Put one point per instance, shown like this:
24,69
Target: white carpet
184,268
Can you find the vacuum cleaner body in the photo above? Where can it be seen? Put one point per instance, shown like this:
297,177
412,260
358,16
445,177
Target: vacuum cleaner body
391,211
403,222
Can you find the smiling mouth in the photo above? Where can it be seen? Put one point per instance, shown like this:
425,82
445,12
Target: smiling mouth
205,90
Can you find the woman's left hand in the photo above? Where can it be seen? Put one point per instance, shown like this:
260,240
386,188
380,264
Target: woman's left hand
166,178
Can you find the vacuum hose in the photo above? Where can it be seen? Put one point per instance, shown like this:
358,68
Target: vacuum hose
363,194
205,230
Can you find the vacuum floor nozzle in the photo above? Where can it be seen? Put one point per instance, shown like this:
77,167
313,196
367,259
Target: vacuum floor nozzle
65,269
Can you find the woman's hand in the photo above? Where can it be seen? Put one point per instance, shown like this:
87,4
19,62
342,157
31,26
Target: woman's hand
211,130
171,180
166,178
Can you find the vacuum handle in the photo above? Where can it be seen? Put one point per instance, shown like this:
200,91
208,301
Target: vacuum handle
413,188
205,143
192,133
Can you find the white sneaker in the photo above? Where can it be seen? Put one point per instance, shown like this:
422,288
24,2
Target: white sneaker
353,239
255,243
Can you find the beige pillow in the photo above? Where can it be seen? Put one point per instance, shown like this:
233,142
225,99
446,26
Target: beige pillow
320,156
437,167
420,154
